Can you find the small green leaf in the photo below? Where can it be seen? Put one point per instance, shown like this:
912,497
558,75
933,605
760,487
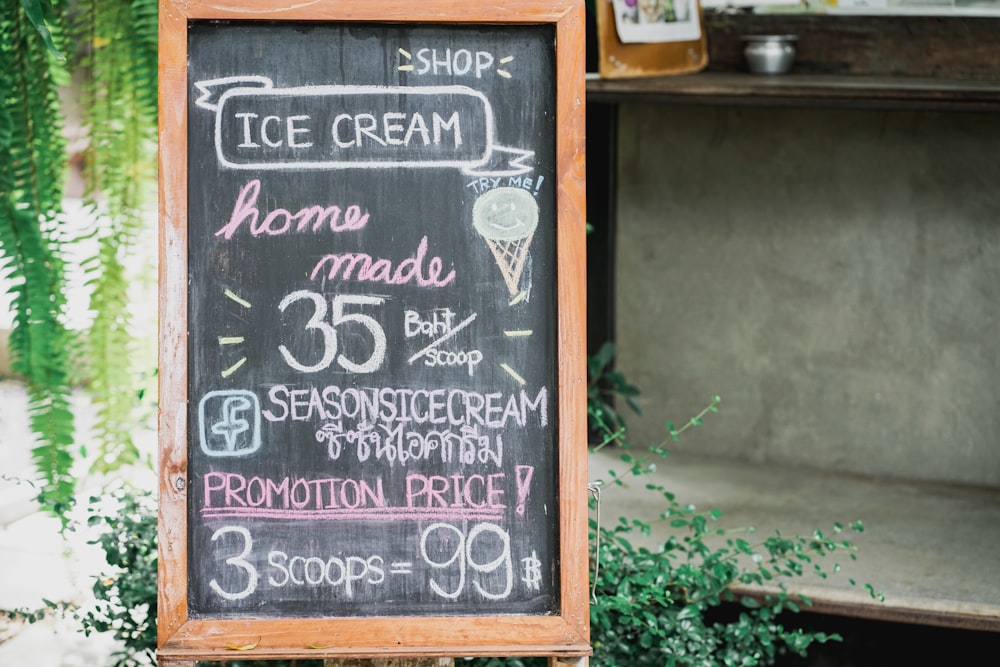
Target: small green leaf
34,10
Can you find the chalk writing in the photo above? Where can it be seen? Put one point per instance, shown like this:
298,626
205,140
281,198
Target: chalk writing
380,270
238,561
374,328
328,331
523,475
445,549
437,540
222,489
461,62
532,577
401,405
280,221
435,357
484,184
334,498
344,127
334,572
437,323
397,445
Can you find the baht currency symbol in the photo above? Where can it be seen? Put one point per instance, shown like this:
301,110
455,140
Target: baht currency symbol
532,577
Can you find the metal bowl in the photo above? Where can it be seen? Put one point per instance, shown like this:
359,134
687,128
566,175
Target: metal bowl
769,54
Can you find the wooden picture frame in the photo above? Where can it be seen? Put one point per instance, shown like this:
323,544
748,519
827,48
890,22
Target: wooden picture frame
183,638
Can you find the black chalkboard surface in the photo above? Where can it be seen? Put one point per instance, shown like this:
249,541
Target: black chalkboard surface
372,320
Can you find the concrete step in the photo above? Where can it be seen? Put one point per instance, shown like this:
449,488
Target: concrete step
932,549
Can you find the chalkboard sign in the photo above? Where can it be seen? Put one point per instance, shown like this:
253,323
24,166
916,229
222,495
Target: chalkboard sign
372,234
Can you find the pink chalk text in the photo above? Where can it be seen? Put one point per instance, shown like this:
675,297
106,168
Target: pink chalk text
280,221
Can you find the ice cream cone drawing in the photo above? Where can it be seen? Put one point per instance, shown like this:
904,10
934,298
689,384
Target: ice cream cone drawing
506,218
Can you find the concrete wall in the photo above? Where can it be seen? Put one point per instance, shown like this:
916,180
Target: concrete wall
833,275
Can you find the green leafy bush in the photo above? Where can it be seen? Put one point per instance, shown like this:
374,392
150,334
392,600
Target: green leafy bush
126,595
606,385
674,605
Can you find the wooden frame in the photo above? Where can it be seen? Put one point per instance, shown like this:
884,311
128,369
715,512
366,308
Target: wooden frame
182,639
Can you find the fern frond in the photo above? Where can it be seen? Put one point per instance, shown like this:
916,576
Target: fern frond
119,108
110,379
30,215
35,11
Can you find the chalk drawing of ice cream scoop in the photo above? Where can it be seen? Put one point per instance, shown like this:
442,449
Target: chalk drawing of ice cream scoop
507,218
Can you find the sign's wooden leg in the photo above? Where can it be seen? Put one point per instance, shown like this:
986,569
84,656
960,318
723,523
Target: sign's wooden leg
569,662
390,662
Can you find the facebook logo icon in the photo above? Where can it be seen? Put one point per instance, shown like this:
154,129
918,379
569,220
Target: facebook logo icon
229,423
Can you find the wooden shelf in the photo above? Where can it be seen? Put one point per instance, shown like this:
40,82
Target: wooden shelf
868,62
804,90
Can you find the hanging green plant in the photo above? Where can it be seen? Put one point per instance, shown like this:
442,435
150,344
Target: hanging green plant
117,46
112,44
31,234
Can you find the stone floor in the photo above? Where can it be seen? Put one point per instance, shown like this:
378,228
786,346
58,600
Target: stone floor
36,562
